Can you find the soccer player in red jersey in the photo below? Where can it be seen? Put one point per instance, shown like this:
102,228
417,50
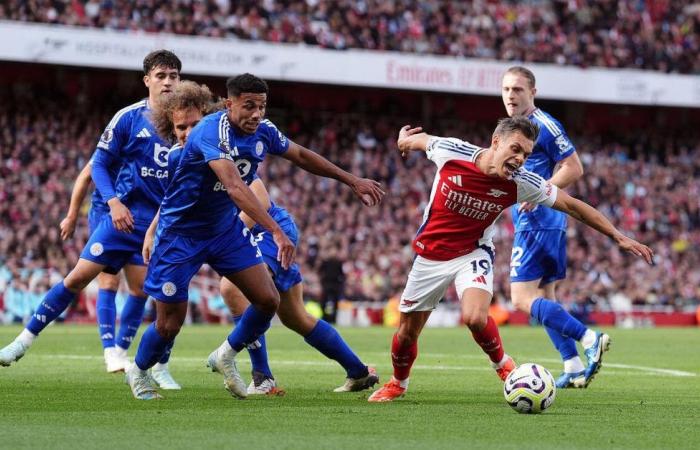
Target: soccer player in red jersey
472,187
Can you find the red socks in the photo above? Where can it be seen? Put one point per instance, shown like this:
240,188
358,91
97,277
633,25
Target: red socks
402,358
490,341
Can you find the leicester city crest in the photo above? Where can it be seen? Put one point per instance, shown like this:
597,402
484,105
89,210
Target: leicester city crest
259,147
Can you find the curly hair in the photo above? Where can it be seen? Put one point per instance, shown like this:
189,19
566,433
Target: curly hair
187,94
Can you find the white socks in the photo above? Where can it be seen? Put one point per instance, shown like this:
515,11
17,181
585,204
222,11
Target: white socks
573,365
26,337
588,338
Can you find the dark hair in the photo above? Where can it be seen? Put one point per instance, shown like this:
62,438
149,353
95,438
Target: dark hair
246,82
517,123
524,71
187,94
161,58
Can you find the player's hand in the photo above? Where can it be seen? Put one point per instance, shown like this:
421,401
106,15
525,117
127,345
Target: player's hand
67,227
121,216
147,249
369,191
527,207
636,248
285,248
405,132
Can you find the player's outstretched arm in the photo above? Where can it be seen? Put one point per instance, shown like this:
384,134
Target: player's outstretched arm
80,188
412,139
593,218
369,191
242,196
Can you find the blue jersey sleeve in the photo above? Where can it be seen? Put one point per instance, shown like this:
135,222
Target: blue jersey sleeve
278,142
100,174
556,143
206,141
117,132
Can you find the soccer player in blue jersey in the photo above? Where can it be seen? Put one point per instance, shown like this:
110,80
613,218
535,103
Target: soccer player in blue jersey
251,139
115,353
129,142
178,115
538,259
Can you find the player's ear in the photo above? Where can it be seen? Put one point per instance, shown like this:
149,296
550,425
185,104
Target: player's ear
534,91
146,80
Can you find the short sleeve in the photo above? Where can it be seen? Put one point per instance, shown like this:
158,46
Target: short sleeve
440,150
533,188
278,142
206,140
556,143
116,134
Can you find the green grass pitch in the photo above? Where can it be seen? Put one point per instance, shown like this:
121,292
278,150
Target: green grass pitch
646,396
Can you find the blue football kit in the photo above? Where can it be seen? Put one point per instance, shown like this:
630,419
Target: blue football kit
539,247
198,221
131,143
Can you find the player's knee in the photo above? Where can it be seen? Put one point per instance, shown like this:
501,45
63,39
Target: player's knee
268,303
108,282
522,301
168,329
475,320
407,336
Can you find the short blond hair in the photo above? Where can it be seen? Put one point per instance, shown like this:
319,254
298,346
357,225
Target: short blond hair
525,72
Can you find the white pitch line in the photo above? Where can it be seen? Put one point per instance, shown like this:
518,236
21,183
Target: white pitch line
632,369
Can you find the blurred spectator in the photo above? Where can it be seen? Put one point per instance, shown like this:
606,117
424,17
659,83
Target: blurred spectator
654,35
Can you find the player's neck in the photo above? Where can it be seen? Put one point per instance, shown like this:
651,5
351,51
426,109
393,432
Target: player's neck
484,162
530,110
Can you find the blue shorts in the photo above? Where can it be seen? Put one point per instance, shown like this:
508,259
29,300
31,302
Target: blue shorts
177,258
95,217
538,255
284,279
115,249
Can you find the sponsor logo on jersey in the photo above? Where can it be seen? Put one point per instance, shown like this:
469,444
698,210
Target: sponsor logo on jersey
143,133
479,280
496,193
259,147
462,203
96,249
169,288
160,154
219,187
456,179
548,189
157,173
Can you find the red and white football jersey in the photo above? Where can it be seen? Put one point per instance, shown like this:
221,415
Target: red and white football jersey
465,202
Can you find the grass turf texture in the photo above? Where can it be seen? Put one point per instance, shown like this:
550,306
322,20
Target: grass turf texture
59,396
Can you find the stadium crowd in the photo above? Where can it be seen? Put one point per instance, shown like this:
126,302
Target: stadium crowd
661,35
651,190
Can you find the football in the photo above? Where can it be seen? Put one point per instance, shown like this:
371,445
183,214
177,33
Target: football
530,389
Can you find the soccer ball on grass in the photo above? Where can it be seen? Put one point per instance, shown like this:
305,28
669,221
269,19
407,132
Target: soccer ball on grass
530,389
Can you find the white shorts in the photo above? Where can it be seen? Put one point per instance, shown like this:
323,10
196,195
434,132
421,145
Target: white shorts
428,280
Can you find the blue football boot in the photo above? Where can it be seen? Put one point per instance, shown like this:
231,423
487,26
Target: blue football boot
570,380
594,355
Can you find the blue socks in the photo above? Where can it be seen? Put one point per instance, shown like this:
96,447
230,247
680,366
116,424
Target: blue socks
552,315
106,316
151,348
250,327
132,315
54,303
326,340
565,345
258,353
166,356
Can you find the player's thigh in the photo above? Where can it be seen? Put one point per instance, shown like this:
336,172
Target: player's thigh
108,281
256,285
135,277
426,285
82,274
292,311
233,297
